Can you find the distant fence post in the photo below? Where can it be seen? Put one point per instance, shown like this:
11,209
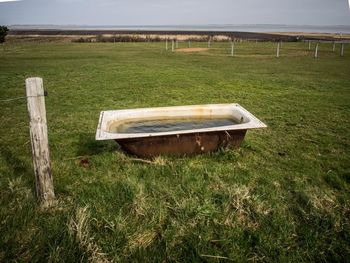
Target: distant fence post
209,43
177,43
333,49
39,141
278,50
189,43
166,44
172,45
316,51
309,45
232,48
342,49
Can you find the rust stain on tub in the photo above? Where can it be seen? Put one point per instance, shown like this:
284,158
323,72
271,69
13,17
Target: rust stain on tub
182,144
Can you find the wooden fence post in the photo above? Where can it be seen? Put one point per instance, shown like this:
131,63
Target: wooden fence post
342,50
309,44
172,45
39,141
278,50
177,43
232,48
166,44
333,49
316,51
189,43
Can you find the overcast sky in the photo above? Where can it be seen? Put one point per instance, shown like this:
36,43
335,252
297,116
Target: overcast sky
175,12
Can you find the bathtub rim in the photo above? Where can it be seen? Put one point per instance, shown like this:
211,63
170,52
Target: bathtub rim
101,134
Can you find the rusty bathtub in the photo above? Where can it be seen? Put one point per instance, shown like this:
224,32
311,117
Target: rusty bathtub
216,125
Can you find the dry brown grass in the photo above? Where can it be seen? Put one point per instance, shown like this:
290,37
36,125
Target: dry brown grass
78,227
321,200
142,239
242,207
190,50
315,35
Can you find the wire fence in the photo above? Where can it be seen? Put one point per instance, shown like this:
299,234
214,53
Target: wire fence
314,49
24,97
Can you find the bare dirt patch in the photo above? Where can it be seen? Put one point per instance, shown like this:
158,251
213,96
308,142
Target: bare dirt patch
189,50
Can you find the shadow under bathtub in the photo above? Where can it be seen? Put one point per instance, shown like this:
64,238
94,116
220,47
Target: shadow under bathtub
89,146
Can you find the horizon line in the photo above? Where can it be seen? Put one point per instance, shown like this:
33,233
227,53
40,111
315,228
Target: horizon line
174,25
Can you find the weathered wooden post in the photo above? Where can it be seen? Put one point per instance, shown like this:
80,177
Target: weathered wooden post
333,49
166,44
232,48
189,43
278,50
309,45
316,50
177,43
172,45
39,141
342,50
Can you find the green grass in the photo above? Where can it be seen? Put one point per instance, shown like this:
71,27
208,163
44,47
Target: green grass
283,196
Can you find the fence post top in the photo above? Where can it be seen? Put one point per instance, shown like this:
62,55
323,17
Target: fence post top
33,79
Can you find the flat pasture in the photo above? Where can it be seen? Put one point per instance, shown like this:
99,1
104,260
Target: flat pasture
282,197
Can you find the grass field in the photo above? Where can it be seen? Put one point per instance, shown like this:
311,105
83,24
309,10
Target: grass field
282,197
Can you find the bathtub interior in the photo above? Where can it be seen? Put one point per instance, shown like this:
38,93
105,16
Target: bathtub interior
195,115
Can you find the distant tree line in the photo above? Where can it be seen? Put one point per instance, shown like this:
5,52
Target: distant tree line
145,38
118,38
3,33
128,38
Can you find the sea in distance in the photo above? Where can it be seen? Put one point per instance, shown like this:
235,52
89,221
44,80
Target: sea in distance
263,28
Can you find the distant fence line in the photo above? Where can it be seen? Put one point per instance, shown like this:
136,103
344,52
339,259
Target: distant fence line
314,48
313,44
